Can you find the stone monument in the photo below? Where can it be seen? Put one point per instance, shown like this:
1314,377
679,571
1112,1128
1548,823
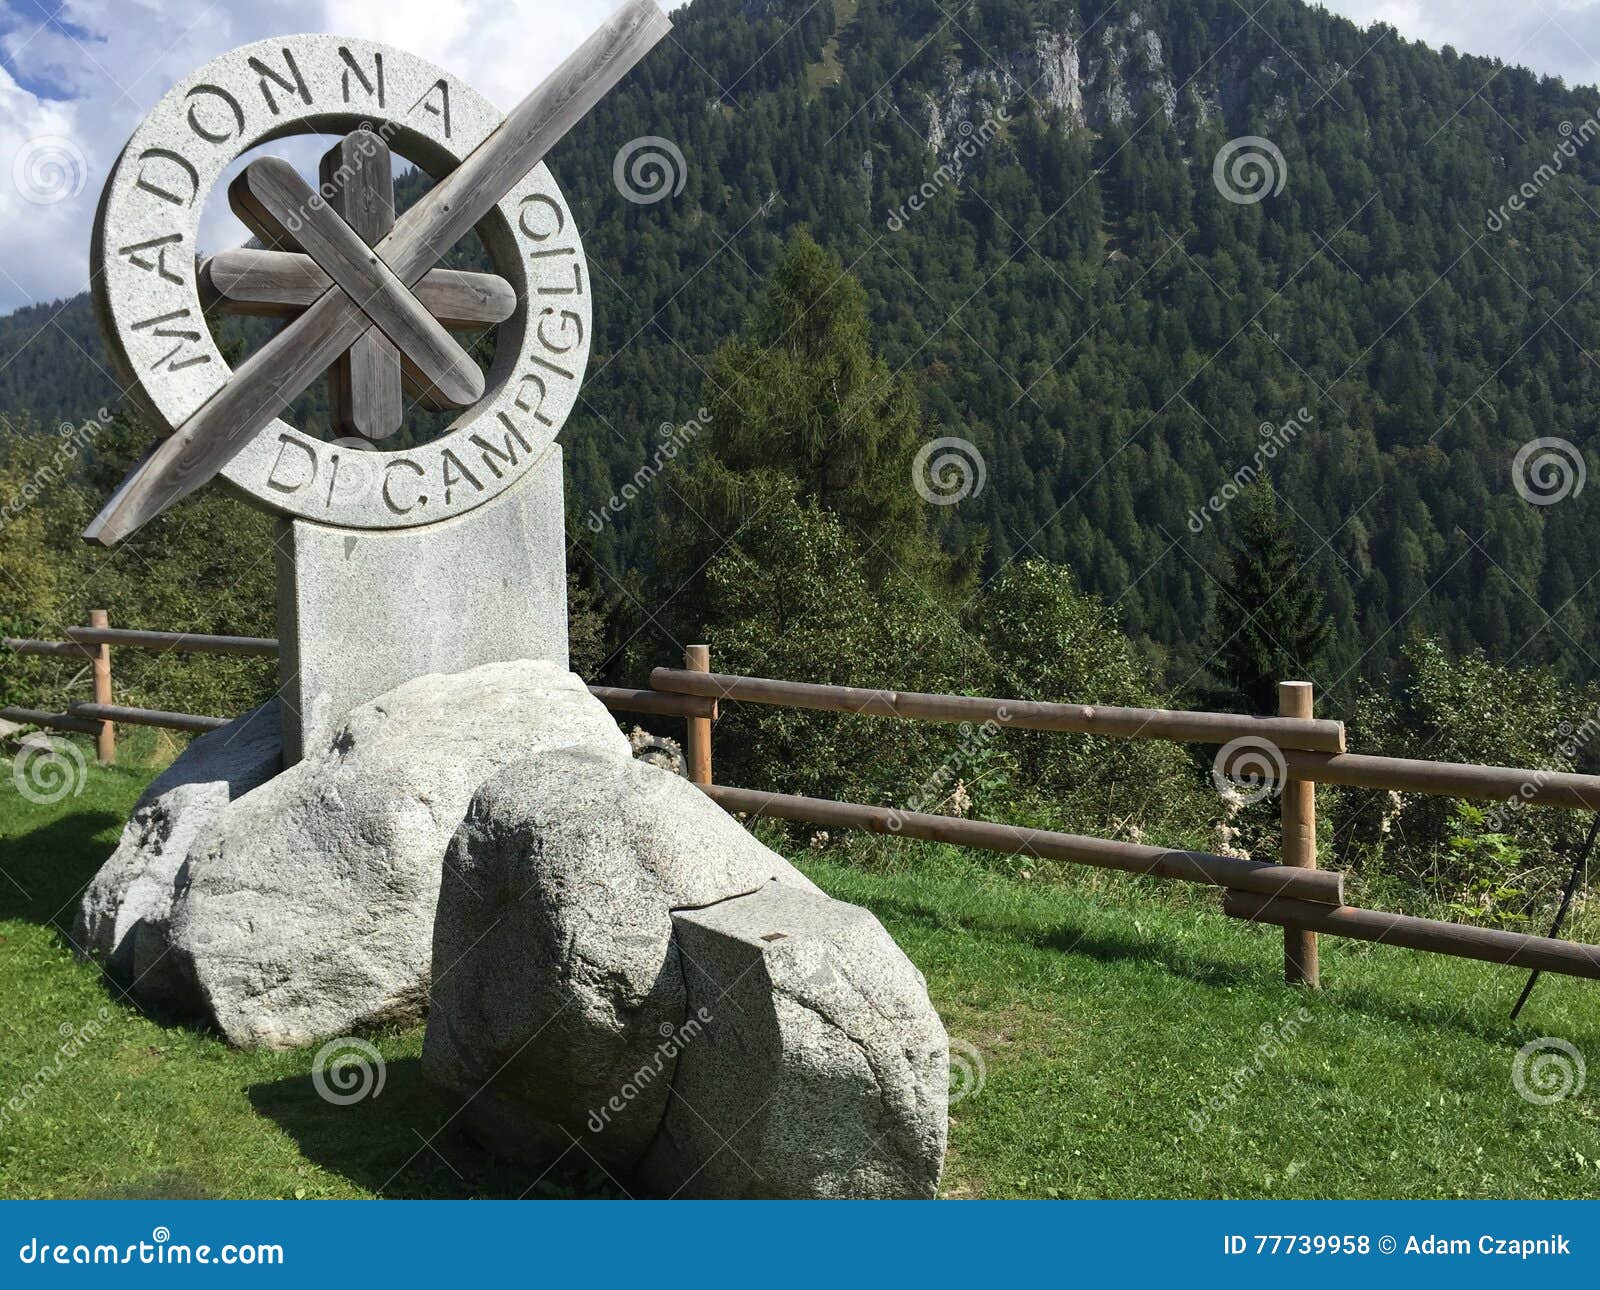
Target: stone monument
436,818
393,563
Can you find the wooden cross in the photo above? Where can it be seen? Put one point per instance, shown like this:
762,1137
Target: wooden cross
374,283
307,259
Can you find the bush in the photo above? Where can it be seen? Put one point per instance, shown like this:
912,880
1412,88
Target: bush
1046,640
792,600
1494,862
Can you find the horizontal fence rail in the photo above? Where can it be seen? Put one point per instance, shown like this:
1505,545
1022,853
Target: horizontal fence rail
177,642
55,720
654,703
86,718
1021,714
84,640
149,717
1508,949
1311,885
52,649
1449,779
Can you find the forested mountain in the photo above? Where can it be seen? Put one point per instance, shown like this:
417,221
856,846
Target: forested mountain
52,363
1030,192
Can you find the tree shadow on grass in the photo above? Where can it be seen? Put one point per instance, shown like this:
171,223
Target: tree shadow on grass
45,870
1486,1021
1070,936
400,1143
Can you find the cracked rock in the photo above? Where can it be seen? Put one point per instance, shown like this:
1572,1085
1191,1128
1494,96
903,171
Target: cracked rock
622,972
822,1069
558,1007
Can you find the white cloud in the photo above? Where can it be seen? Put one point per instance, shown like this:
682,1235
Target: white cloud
46,181
1553,37
502,50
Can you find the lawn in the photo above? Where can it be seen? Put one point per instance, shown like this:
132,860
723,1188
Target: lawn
1111,1037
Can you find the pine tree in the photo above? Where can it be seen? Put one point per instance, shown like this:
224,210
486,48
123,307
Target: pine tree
1268,621
801,393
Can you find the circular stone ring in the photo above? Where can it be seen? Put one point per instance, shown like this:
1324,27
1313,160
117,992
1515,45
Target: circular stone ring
146,288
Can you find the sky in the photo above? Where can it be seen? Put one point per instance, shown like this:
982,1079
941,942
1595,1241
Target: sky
1553,37
76,76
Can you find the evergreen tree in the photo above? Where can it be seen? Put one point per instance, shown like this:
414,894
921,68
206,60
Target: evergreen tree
803,394
808,553
1268,621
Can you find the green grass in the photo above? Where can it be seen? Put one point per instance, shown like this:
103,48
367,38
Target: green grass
828,69
1102,1011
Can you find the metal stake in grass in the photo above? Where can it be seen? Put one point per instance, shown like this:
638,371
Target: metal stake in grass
1578,866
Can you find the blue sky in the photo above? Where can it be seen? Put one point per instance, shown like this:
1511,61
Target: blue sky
77,75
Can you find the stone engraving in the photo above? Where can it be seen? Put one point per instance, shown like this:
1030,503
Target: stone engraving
148,296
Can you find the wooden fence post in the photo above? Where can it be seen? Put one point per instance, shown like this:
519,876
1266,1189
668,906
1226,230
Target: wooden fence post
1298,804
697,658
105,742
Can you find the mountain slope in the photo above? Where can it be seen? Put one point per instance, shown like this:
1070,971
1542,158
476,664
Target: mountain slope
52,364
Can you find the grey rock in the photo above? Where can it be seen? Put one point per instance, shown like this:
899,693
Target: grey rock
360,612
124,918
1093,78
822,1069
621,972
558,995
309,908
291,907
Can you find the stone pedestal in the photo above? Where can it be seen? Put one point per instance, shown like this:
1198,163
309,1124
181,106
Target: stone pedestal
362,611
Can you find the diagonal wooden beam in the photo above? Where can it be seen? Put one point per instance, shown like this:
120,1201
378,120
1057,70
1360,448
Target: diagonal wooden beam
272,199
281,284
270,379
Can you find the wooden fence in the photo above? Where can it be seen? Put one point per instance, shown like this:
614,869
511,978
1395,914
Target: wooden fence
1301,751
